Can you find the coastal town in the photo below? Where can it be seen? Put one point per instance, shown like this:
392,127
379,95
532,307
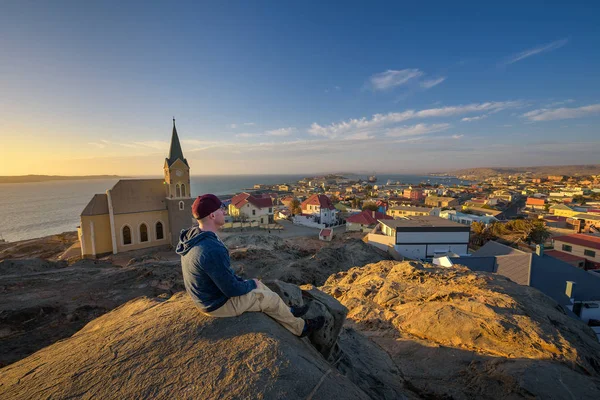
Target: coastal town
563,207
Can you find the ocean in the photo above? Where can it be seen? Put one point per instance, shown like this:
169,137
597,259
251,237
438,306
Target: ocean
31,210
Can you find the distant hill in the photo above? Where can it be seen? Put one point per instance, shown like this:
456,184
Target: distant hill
44,178
569,170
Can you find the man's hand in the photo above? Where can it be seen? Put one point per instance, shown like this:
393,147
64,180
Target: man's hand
256,281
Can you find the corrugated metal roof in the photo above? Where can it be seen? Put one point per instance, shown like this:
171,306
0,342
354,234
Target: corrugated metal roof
516,267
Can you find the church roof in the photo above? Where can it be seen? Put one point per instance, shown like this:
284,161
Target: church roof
98,205
138,195
175,151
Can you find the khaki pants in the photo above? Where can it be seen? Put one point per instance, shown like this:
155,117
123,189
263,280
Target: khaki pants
261,299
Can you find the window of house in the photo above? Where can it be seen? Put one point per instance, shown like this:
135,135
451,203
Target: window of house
589,253
159,231
183,190
270,209
126,235
143,233
181,205
177,190
566,247
253,212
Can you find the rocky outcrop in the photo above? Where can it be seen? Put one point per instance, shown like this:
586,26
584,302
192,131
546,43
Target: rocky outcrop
455,333
270,257
164,349
49,247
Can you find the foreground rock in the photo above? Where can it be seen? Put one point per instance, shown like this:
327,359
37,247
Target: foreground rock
459,334
153,348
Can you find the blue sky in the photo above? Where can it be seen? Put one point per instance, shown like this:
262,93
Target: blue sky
265,87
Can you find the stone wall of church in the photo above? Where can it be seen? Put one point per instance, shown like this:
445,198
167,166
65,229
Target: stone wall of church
95,235
180,217
134,221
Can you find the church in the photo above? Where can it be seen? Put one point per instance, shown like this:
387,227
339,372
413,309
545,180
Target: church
139,213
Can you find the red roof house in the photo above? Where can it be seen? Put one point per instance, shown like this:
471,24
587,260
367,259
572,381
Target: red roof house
532,201
319,200
365,219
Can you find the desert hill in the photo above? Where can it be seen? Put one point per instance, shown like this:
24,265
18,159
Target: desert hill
541,171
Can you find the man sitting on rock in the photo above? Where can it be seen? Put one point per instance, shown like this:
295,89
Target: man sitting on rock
213,285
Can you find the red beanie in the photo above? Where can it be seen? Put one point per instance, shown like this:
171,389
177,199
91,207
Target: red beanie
205,205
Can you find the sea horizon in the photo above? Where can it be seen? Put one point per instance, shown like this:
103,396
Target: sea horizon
38,209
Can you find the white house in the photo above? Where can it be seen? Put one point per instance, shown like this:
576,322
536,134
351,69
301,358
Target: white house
466,219
420,237
321,209
251,208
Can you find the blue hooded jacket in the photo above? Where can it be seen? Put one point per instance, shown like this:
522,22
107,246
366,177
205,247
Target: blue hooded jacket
207,272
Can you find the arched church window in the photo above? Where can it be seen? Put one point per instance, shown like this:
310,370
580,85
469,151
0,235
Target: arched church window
177,190
126,235
183,190
143,233
181,205
159,231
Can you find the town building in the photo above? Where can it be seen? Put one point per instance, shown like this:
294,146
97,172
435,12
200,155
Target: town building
319,206
415,194
404,211
467,219
250,208
365,220
422,237
580,245
535,203
437,201
139,213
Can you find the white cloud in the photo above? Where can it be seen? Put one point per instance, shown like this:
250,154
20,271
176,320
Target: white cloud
392,78
546,114
280,132
470,119
415,130
247,135
428,84
378,121
559,103
275,132
233,126
536,50
99,145
249,123
457,136
154,144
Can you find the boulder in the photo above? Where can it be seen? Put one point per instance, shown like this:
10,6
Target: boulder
459,334
165,349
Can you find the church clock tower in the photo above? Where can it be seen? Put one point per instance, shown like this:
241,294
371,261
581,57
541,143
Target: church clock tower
177,170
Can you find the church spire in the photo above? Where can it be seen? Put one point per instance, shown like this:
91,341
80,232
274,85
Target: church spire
175,151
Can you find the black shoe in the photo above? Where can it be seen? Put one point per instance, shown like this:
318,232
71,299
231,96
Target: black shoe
311,325
299,311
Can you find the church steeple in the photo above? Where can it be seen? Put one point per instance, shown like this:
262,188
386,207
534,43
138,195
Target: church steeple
177,170
175,151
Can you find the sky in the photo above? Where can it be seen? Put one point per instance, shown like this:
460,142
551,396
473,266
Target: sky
302,87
